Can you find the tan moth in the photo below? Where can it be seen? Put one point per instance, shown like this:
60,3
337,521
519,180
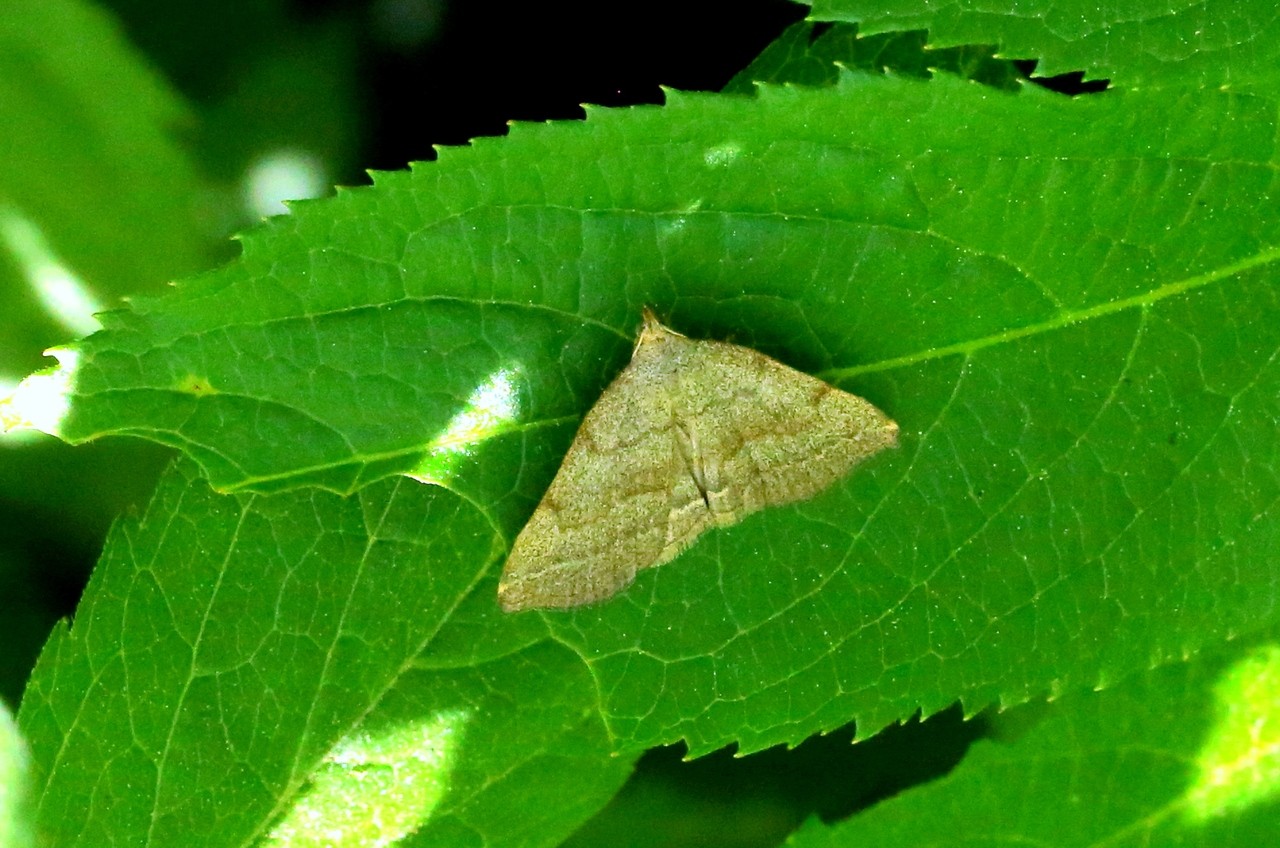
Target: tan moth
691,435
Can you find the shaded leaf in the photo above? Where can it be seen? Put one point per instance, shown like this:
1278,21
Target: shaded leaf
1140,764
1195,44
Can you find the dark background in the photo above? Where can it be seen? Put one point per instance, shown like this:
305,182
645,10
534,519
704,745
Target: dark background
428,72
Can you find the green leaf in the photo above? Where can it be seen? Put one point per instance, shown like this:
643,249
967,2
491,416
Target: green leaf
15,815
96,202
1072,324
1184,755
1193,44
235,656
95,196
809,54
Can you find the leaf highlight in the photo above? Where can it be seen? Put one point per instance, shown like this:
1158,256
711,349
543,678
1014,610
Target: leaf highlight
1240,763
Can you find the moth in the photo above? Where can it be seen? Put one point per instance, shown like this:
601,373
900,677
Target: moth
691,435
